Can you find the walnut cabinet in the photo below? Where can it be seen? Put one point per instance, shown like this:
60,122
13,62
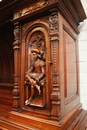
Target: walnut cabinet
46,89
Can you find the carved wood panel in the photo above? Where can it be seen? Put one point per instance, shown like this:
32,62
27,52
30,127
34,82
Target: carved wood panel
35,90
36,74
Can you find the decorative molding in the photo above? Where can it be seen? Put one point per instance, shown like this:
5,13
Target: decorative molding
33,7
69,32
54,40
55,73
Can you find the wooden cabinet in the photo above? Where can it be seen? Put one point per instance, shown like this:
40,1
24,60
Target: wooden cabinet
46,81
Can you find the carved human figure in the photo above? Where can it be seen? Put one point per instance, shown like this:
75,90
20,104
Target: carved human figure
36,74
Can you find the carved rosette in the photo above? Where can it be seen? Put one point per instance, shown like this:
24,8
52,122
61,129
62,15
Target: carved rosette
16,63
54,40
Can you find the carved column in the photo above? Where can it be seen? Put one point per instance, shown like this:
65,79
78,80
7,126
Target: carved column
16,67
54,40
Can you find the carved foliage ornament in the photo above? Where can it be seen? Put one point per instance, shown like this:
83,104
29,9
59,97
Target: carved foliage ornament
33,7
16,33
53,23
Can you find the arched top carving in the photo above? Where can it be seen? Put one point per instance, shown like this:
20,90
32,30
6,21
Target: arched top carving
37,40
34,36
27,28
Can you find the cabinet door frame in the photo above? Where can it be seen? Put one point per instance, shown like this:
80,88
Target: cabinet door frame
31,28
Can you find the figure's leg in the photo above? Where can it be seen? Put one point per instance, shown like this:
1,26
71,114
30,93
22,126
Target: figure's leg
28,78
38,88
27,102
32,92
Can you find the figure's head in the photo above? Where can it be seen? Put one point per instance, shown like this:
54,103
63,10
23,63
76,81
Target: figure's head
36,53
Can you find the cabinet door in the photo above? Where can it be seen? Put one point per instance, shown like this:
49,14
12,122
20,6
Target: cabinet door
36,42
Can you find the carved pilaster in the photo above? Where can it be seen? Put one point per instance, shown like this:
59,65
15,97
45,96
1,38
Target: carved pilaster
54,40
16,64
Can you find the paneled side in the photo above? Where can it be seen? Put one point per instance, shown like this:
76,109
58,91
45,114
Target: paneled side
70,65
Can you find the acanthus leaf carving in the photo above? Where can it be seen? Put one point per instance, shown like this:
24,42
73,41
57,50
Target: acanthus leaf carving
53,23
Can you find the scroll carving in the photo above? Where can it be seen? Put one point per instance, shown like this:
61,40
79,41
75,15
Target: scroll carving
35,76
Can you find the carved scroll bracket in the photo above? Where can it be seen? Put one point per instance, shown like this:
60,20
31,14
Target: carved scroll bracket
16,63
54,40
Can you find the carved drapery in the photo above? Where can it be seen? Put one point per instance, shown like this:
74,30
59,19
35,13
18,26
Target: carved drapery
16,64
54,40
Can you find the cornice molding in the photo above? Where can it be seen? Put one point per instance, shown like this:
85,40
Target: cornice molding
72,10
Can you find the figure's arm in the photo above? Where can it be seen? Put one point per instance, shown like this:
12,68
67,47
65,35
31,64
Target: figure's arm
28,77
30,70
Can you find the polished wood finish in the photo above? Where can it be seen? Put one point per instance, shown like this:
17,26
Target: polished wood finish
54,24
